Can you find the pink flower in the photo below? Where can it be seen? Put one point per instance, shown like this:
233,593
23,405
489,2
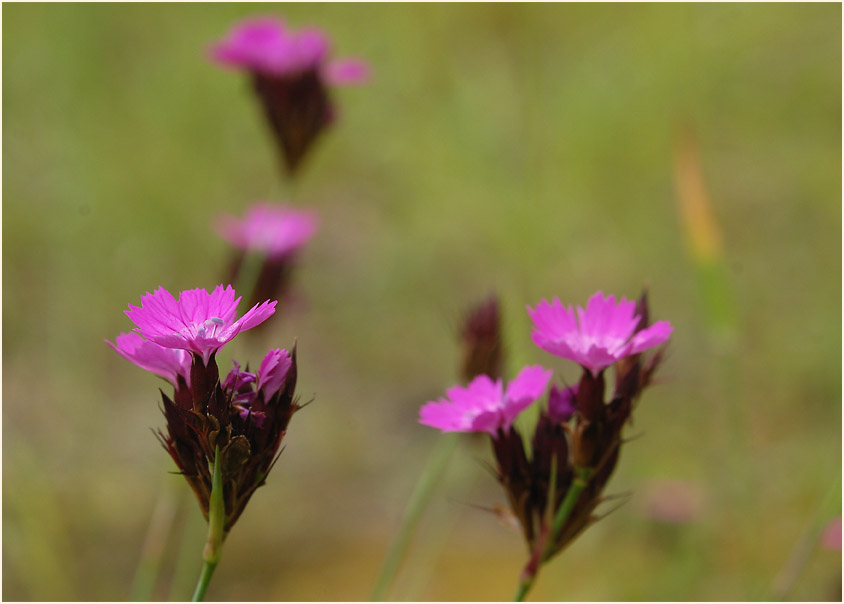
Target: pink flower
831,538
239,384
265,45
275,231
483,405
198,322
165,362
273,370
601,335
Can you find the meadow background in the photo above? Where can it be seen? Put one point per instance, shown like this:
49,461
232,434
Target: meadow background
529,150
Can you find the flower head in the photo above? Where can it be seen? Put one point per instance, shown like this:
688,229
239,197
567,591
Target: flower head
267,46
239,384
245,416
165,362
481,339
601,335
198,322
291,74
275,231
484,405
273,371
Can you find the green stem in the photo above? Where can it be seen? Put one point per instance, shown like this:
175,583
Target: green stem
216,533
579,483
204,579
419,499
248,274
524,588
530,572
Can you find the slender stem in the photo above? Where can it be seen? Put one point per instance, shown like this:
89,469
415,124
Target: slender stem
530,572
788,575
248,274
419,499
216,534
204,579
524,588
579,483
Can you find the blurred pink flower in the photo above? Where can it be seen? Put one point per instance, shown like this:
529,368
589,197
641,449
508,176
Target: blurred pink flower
266,45
673,501
601,334
275,231
291,75
198,322
831,538
483,405
165,362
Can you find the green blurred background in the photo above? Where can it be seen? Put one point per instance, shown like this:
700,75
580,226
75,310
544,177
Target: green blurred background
528,150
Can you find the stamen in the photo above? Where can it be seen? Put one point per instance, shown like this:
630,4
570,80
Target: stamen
214,320
201,332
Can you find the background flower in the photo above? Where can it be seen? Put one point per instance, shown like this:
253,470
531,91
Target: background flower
266,45
271,229
290,75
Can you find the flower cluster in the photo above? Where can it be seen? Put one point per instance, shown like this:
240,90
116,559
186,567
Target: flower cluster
273,232
578,434
291,75
244,416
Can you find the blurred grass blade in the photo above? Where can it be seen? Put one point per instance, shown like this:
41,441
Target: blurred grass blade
702,235
705,245
419,499
158,532
828,507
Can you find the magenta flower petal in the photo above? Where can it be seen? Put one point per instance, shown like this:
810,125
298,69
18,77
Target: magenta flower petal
266,46
198,322
273,370
656,334
347,71
601,334
273,230
523,390
237,379
164,362
483,406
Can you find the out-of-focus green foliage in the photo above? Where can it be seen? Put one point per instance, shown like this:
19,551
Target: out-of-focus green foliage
525,149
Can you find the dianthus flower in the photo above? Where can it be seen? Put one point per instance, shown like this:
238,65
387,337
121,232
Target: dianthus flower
275,231
291,73
484,406
198,322
273,234
480,336
239,421
555,479
601,335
